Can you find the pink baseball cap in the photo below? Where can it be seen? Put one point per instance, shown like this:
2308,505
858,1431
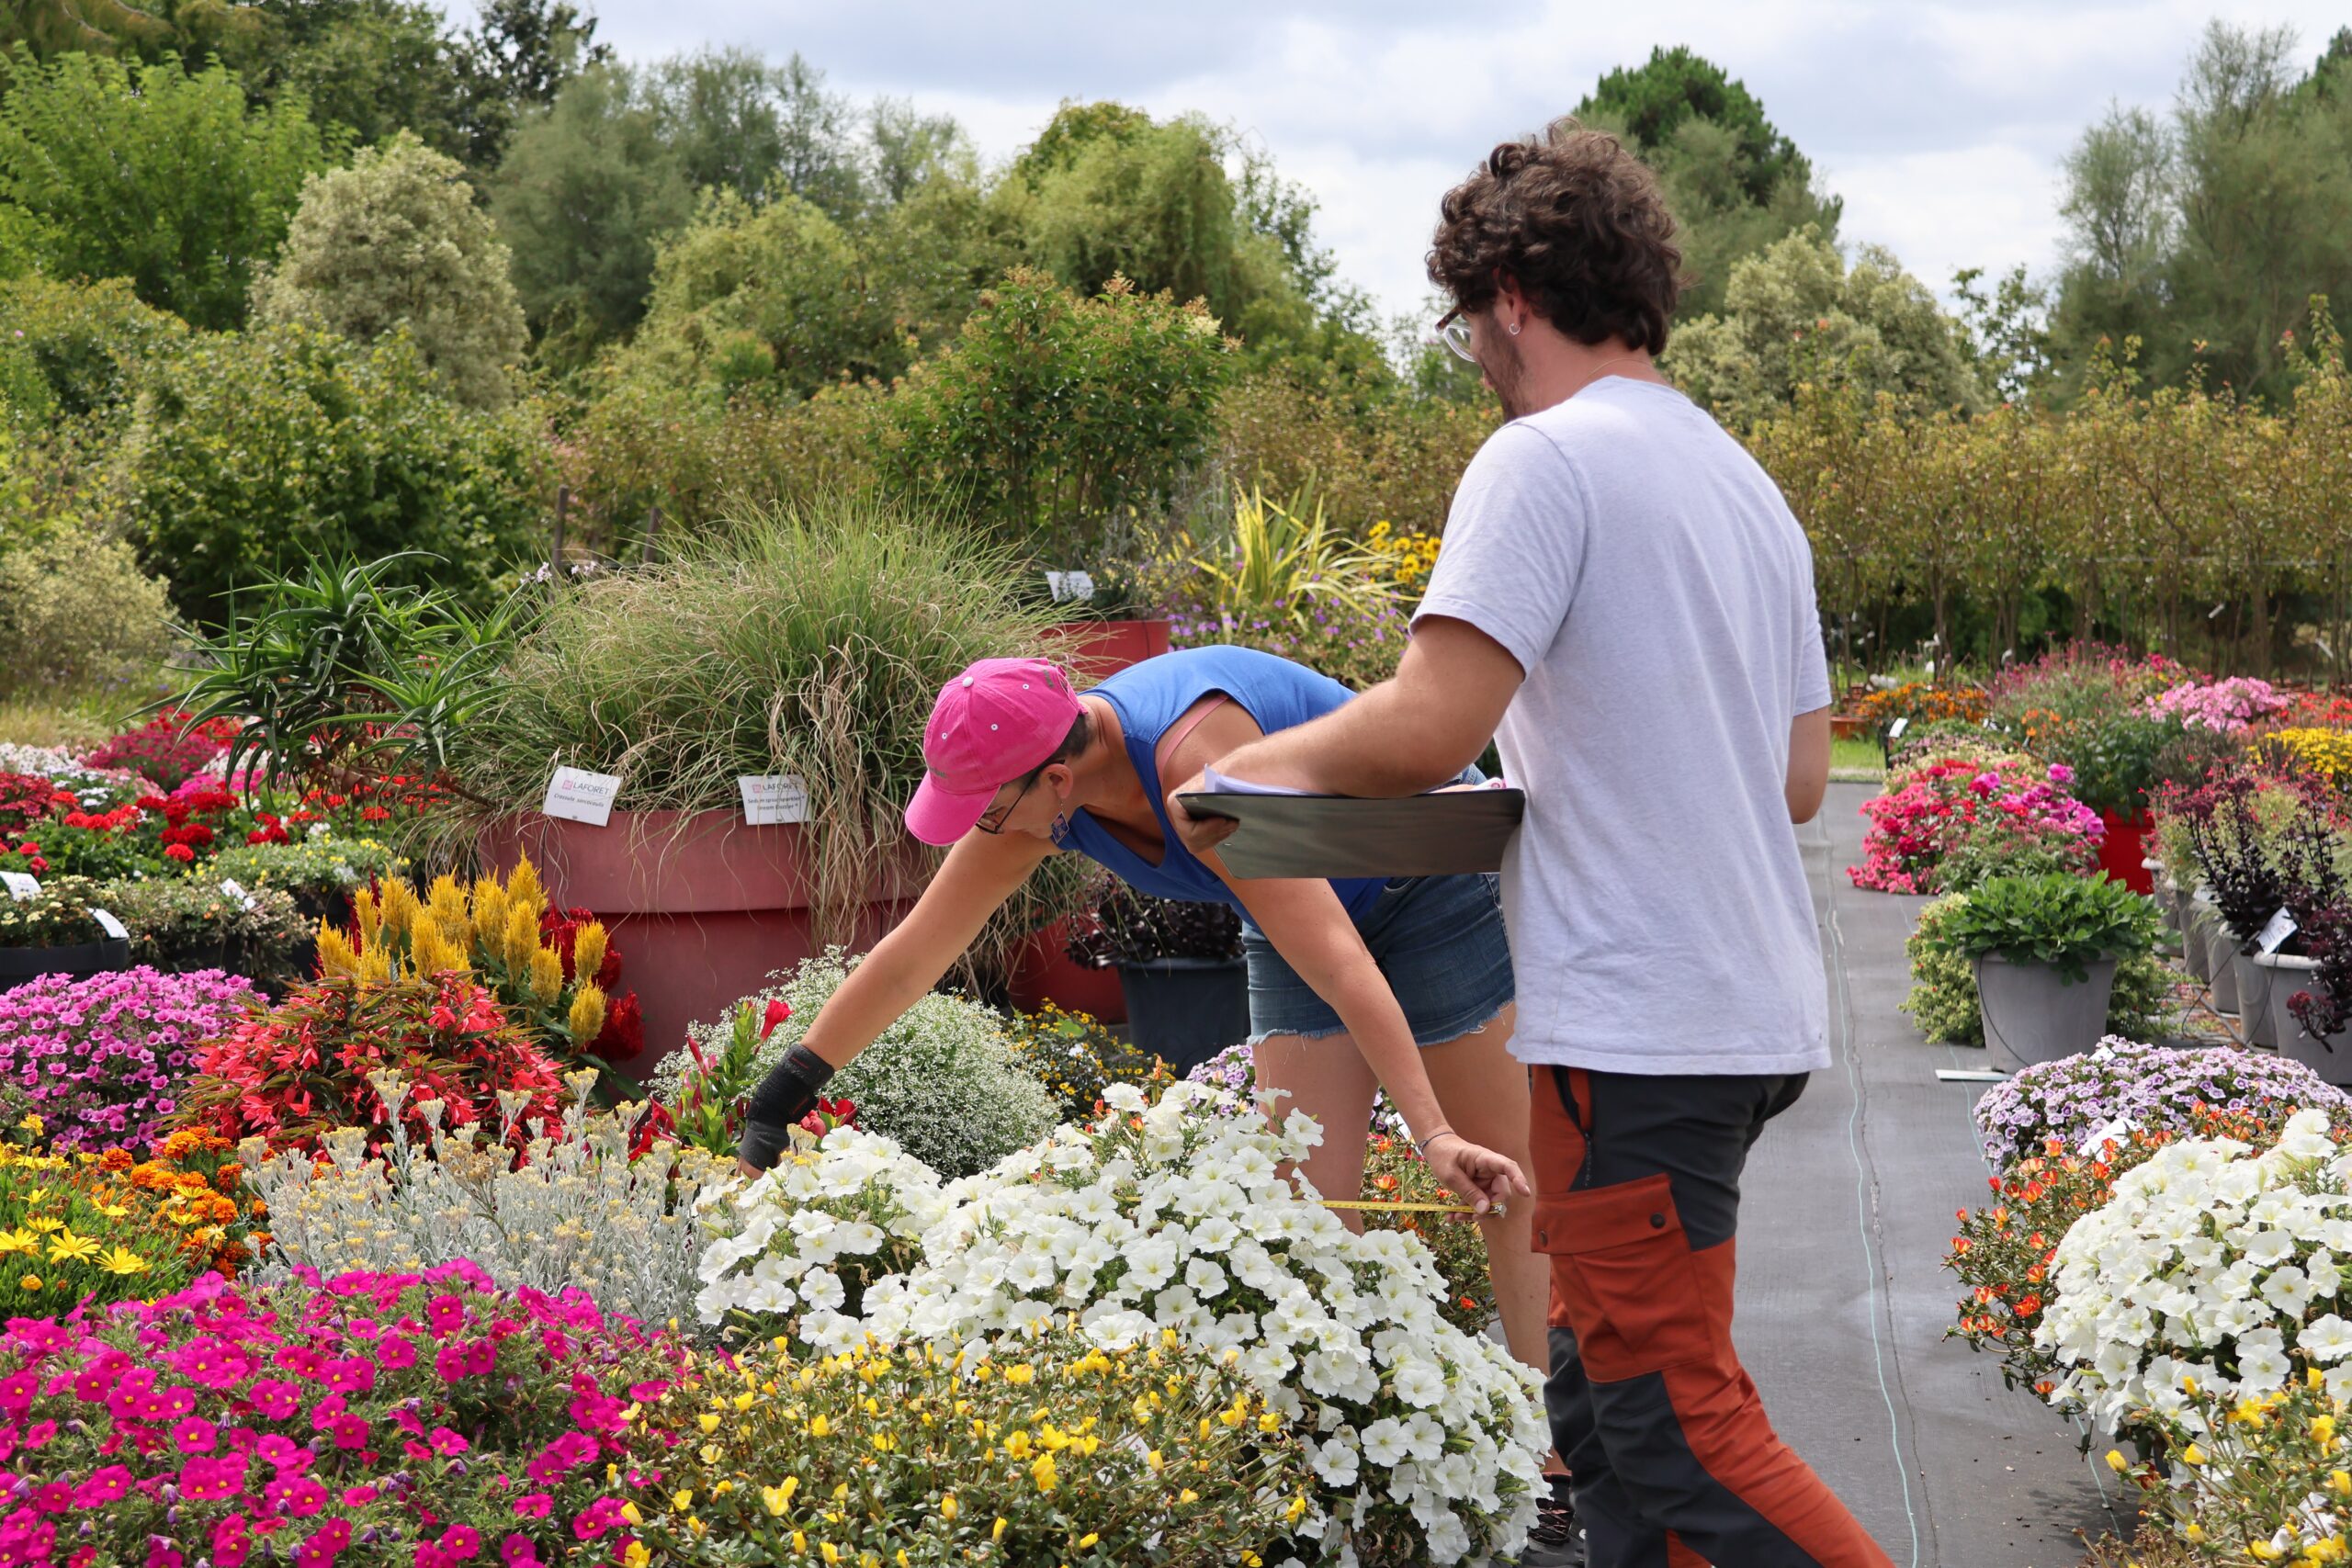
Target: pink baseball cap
993,723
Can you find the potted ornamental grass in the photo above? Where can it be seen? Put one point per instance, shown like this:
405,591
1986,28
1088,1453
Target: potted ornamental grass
2045,950
1180,969
806,642
59,928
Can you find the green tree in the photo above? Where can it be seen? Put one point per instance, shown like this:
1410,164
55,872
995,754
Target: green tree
193,29
374,67
1735,182
74,351
252,451
396,242
515,58
1796,313
588,189
99,155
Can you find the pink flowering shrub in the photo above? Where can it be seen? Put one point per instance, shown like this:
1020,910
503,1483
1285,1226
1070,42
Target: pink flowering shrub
2228,706
1957,822
422,1420
102,1057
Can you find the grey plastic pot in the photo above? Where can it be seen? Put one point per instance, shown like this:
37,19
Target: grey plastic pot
2255,1023
2330,1057
2221,974
2032,1015
2196,915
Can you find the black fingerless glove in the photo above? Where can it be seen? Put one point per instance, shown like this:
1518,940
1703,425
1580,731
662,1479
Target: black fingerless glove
784,1097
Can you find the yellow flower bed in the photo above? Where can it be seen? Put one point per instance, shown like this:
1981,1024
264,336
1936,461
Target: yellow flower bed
2262,1478
2327,752
904,1457
1410,555
110,1227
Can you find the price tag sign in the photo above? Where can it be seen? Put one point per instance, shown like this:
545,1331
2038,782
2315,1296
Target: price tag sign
1894,732
111,926
236,890
21,886
578,795
770,799
2275,932
1069,585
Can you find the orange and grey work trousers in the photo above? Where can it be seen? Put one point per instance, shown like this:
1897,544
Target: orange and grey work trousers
1638,1201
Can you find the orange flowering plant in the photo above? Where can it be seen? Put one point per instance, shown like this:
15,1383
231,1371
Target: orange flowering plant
1394,1172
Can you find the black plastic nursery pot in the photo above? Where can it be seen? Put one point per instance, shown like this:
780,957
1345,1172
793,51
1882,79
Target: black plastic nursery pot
1186,1010
18,964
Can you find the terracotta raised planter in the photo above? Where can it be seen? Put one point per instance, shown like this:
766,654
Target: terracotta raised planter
701,905
1093,649
2122,853
1848,727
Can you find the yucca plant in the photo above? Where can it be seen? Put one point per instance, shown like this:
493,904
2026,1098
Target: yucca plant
1282,560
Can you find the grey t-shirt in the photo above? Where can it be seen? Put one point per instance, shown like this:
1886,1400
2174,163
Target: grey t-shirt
1650,580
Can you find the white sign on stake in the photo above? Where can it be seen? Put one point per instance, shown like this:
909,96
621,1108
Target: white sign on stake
21,886
772,798
111,926
1069,585
2279,927
236,890
1894,732
578,795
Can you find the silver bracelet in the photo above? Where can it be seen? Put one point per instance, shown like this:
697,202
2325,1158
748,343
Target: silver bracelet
1422,1144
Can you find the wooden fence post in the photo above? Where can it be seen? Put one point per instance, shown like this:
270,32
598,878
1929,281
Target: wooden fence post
555,545
653,532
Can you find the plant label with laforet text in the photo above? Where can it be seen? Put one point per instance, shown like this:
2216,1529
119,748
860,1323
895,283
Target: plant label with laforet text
770,799
2279,927
236,890
112,927
1894,732
578,795
21,886
1069,585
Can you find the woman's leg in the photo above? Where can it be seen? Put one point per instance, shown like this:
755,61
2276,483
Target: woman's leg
1483,1092
1328,1078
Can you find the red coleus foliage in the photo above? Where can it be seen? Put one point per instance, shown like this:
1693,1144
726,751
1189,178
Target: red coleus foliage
301,1069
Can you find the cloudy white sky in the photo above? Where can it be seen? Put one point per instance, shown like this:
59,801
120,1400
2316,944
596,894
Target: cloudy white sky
1942,125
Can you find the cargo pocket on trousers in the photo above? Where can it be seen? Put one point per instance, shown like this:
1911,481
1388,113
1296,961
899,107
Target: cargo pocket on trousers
1622,1267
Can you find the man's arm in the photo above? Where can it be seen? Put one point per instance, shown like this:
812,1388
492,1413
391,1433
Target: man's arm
1808,778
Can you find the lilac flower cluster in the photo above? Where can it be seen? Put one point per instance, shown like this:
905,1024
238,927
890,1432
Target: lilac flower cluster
101,1057
2121,1085
2227,707
1358,646
1234,1069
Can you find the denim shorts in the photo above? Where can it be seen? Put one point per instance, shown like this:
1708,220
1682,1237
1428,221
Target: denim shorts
1438,939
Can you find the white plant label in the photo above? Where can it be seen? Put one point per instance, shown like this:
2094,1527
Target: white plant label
2279,927
1894,732
770,799
21,886
578,795
1069,585
111,926
236,890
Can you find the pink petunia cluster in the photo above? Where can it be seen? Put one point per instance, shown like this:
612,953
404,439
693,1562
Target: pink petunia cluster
2227,707
103,1056
325,1423
1953,804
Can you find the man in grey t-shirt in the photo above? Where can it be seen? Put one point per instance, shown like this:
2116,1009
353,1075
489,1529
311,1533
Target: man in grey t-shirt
1625,602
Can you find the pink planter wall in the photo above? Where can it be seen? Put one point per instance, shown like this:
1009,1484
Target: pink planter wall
1096,648
701,905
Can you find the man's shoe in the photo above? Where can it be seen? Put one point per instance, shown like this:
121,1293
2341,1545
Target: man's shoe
1557,1540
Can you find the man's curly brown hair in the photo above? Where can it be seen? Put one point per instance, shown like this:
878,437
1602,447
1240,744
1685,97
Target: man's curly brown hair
1578,222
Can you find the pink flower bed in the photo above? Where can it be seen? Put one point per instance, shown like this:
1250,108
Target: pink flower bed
103,1056
2227,707
426,1420
1958,807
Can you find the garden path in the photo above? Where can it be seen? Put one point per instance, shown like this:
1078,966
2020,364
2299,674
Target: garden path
1848,1208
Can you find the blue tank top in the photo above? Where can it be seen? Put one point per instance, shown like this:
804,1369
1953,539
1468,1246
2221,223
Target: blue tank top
1150,696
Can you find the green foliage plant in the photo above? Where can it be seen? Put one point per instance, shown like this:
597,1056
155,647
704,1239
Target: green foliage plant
102,154
1942,1000
396,241
178,923
73,350
252,451
1283,562
79,618
2066,922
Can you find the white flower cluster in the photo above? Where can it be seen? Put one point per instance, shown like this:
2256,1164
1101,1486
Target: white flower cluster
1174,1217
578,1211
2210,1262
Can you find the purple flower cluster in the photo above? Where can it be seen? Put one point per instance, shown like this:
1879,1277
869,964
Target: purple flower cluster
2078,1098
1357,645
102,1056
1235,1069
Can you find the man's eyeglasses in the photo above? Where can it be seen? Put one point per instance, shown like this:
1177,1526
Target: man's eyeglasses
1455,332
1005,814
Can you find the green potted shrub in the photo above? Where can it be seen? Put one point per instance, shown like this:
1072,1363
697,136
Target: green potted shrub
60,929
805,642
1179,967
2045,950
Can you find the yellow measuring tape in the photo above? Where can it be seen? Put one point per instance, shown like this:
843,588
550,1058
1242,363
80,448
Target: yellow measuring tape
1405,1208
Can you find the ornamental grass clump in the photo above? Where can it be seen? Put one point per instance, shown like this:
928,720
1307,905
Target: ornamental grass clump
103,1057
309,1066
358,1418
1052,1451
574,1210
941,1080
2121,1085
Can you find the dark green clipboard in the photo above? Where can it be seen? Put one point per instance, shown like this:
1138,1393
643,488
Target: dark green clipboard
1446,834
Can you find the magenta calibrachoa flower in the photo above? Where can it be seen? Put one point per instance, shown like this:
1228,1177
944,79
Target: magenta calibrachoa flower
1954,806
103,1056
427,1420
